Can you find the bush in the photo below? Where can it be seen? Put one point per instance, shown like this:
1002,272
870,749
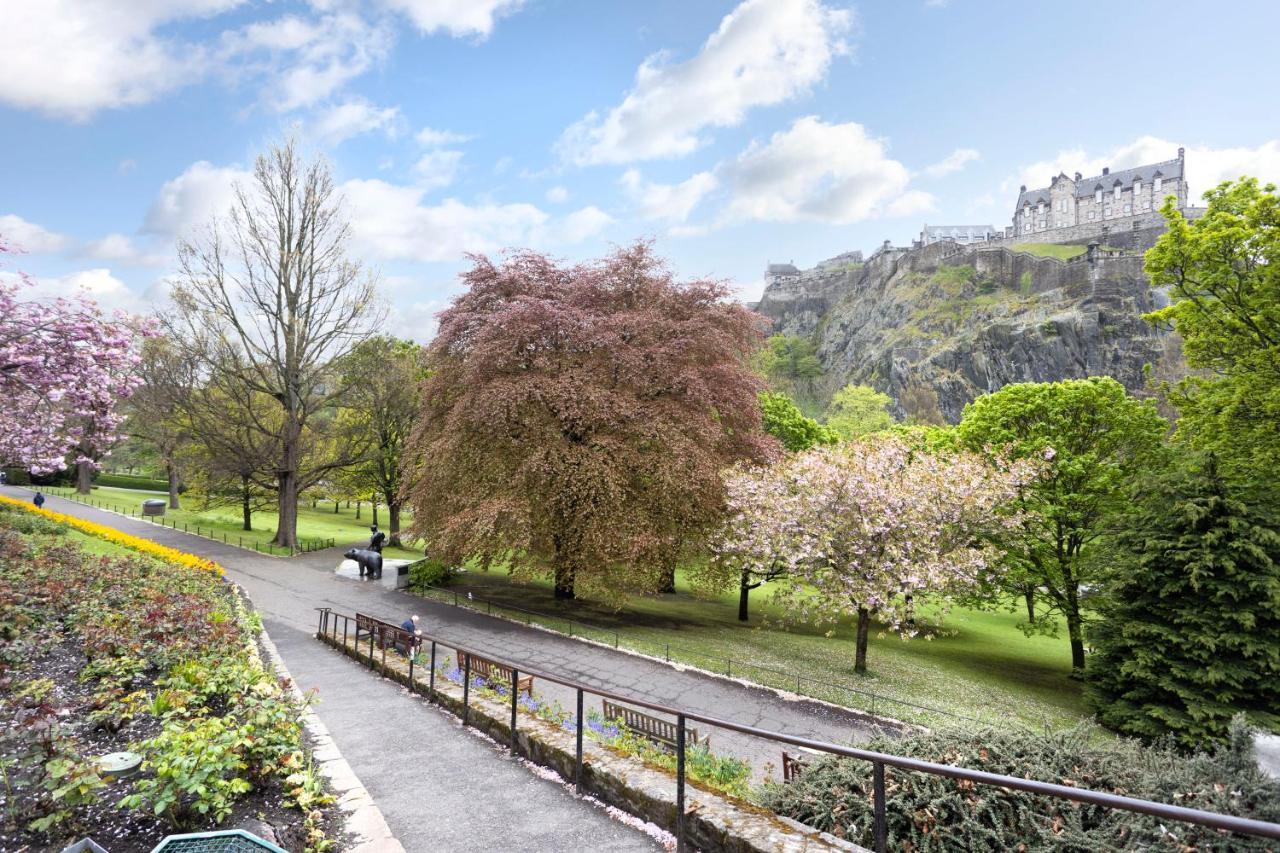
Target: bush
21,521
131,481
429,572
933,813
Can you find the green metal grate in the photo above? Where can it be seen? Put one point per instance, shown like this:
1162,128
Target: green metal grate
228,841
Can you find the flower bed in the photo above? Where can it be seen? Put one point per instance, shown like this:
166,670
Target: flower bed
103,654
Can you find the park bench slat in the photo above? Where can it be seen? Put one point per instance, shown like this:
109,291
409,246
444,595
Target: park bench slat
662,732
385,634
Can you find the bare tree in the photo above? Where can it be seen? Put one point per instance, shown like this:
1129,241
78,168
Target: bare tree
157,408
270,300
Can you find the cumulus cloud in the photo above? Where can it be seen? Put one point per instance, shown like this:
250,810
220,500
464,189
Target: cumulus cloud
814,171
582,224
122,249
557,195
30,237
669,202
953,162
353,118
434,138
71,59
1206,167
192,199
109,292
457,17
437,168
764,52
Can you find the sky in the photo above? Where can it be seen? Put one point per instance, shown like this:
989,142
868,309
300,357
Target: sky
731,134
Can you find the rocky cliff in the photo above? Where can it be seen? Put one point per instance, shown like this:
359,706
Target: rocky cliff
936,326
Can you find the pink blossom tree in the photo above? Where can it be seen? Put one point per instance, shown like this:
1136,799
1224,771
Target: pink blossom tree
63,367
860,530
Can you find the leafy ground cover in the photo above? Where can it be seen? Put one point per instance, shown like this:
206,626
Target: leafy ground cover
1055,250
930,813
982,667
314,523
103,653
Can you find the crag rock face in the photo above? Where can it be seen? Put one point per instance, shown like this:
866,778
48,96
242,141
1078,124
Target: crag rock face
937,326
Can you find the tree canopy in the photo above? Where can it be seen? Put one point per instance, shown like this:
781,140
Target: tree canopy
858,410
1097,438
784,421
580,417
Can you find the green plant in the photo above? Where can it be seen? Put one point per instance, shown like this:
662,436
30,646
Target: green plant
429,572
197,769
71,782
307,794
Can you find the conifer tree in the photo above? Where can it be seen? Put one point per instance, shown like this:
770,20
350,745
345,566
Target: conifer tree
1191,631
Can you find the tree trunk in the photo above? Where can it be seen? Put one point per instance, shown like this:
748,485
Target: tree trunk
563,573
84,477
1030,595
246,504
864,627
668,583
287,483
744,593
357,509
393,510
335,507
173,486
374,501
1075,630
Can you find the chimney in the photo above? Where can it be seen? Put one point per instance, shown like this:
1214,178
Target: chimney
1106,170
1022,188
1077,177
1182,153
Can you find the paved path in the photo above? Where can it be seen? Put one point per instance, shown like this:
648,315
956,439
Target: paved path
439,787
286,591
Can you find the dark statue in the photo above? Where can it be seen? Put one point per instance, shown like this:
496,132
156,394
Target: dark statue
368,561
376,539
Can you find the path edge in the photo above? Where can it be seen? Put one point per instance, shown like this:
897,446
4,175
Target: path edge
363,821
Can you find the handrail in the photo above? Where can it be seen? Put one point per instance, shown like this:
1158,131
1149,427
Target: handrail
1232,823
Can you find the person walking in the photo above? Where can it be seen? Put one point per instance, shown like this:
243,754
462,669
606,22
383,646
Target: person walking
38,500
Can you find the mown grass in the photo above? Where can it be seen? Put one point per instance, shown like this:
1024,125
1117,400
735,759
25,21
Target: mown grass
981,667
313,523
1050,250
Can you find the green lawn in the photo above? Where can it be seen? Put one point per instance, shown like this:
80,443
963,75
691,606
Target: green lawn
983,667
219,522
1055,250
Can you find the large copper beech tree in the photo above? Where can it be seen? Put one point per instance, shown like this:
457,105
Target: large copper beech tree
577,419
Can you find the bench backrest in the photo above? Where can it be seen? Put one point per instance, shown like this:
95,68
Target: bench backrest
385,633
655,729
493,671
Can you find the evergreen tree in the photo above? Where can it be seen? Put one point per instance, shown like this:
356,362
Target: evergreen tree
1191,631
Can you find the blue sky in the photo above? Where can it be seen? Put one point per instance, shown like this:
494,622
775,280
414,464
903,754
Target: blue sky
731,133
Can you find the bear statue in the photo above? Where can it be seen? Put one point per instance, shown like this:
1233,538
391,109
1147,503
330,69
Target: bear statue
368,561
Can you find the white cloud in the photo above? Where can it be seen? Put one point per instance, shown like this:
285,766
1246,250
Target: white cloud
126,166
71,59
192,199
1205,167
764,52
438,168
99,284
953,162
30,237
813,171
669,202
582,224
353,118
457,17
121,249
434,138
557,195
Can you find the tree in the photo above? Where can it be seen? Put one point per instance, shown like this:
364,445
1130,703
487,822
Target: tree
861,529
790,365
155,411
857,410
384,375
63,368
1223,275
784,421
1190,632
269,297
581,416
1099,438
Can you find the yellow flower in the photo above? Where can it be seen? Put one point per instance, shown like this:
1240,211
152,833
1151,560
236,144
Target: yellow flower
146,546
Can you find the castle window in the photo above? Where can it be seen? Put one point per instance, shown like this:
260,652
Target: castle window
1097,195
1117,192
1127,209
1137,187
1091,214
1156,184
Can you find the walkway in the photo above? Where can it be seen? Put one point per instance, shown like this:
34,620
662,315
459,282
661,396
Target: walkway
439,787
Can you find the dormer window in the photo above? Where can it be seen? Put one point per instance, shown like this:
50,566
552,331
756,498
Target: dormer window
1156,184
1137,187
1118,190
1097,195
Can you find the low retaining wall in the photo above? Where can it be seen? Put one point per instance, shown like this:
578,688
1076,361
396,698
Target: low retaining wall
712,823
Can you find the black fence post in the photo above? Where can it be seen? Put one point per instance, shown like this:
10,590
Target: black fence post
680,782
431,677
371,661
515,681
577,767
412,645
881,830
344,635
466,691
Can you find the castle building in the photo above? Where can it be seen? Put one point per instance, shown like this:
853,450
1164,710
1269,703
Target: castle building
1068,202
963,234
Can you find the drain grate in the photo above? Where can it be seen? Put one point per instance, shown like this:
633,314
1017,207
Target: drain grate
229,841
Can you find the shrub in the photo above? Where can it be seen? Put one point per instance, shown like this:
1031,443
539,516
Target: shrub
429,572
132,481
933,813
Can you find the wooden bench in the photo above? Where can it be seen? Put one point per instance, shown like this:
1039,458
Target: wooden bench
494,673
662,732
384,633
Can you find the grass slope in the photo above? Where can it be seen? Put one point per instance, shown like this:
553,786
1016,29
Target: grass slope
319,523
983,667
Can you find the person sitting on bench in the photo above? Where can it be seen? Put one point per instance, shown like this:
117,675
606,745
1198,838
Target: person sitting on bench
411,626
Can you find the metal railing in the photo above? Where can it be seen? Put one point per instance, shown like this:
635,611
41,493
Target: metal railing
792,679
327,627
304,546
